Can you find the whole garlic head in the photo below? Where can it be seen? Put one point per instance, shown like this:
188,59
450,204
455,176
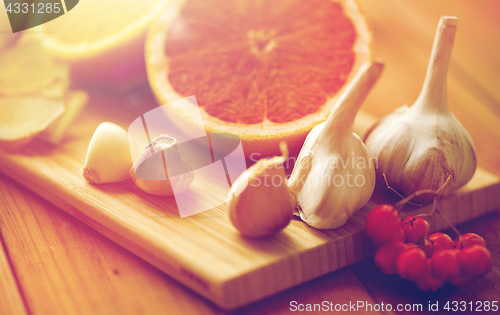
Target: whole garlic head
419,150
334,175
419,147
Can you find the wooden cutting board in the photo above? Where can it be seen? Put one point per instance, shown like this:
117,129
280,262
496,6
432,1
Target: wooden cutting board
204,251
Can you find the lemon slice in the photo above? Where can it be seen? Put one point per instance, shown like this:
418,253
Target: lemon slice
59,87
21,118
28,68
6,35
103,40
74,103
95,26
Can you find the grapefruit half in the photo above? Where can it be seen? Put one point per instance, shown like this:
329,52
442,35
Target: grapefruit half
266,71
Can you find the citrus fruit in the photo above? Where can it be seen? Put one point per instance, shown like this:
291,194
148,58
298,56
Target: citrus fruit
23,117
28,68
74,102
265,71
6,35
103,39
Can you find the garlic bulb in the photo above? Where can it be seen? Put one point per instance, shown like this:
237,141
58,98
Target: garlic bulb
259,203
162,169
334,175
419,147
108,156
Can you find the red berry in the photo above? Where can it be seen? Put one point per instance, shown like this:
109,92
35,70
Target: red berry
401,236
429,281
475,260
437,241
470,239
445,264
411,264
414,228
397,237
386,255
383,222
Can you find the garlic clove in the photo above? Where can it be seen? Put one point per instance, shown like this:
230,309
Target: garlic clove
162,169
419,147
108,156
334,175
259,203
334,188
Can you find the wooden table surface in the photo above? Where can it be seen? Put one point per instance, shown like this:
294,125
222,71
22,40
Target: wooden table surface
50,263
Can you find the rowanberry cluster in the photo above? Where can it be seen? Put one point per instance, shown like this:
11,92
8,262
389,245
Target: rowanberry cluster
428,262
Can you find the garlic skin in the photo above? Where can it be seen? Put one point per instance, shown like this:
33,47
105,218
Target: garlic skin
259,203
108,156
334,175
419,147
161,169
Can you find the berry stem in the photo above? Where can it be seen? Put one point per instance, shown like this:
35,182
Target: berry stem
397,193
434,207
449,222
436,193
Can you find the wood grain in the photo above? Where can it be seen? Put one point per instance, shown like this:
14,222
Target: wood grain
149,226
11,301
67,268
403,33
204,251
94,275
64,267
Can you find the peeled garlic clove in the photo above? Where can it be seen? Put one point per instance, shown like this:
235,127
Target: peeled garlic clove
334,175
419,147
259,203
162,169
108,156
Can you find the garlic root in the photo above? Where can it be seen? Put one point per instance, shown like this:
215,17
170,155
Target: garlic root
259,203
